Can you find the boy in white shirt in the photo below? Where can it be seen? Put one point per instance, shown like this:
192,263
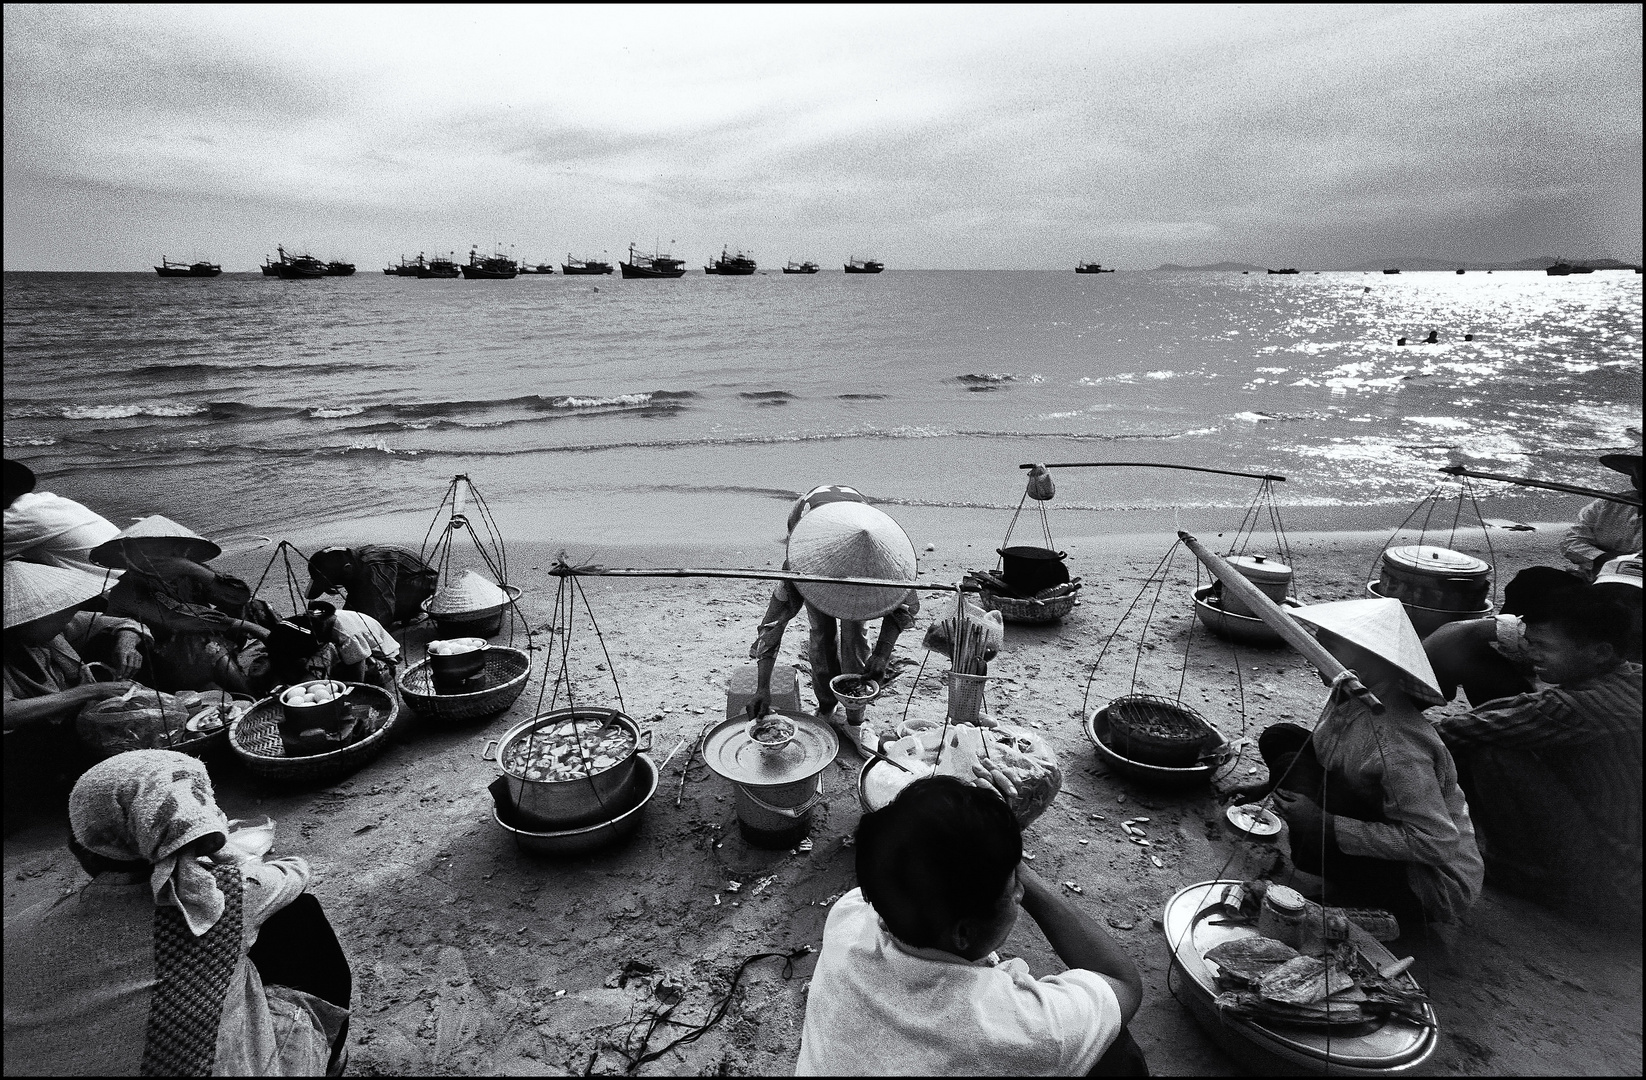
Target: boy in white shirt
908,982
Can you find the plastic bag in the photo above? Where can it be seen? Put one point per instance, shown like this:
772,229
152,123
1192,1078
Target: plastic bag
248,842
940,634
142,719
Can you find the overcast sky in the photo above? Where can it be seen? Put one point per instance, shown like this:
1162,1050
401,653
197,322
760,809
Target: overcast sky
930,137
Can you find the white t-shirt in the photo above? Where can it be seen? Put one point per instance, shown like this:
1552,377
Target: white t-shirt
877,1007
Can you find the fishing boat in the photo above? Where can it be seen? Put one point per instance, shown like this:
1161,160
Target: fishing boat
298,267
1091,268
654,265
729,265
584,266
199,269
438,267
270,267
405,267
1460,270
493,266
1562,269
807,267
1395,270
1288,270
539,268
339,268
864,266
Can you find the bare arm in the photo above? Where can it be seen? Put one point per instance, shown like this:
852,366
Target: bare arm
62,705
1080,942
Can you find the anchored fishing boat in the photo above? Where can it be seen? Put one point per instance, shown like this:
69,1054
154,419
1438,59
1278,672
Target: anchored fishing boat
405,267
729,265
1288,270
1091,268
439,267
584,266
655,265
807,267
338,268
298,267
199,269
864,266
493,266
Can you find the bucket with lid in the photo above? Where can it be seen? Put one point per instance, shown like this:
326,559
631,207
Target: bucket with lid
776,788
1437,585
1273,578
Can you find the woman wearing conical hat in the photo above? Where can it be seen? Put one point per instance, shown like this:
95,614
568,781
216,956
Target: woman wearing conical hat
1372,801
834,532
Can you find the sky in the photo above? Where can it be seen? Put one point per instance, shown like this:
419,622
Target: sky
931,137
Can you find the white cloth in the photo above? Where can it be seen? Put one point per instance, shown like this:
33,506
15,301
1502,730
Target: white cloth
358,635
877,1007
1602,527
45,528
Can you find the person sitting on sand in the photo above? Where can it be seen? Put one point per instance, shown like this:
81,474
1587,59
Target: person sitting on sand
387,583
1488,658
833,532
201,640
183,956
1554,775
908,981
45,528
1372,800
1605,529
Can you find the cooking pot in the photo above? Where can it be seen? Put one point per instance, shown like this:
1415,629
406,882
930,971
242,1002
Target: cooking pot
1029,569
457,666
1273,578
566,804
1426,576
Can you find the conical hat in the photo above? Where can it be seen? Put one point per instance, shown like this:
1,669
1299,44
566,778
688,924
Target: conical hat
1623,463
471,592
1382,627
34,590
851,539
152,537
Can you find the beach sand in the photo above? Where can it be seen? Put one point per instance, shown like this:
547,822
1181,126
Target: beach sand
471,957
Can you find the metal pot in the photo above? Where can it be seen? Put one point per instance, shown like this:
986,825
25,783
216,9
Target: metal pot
325,714
455,667
1426,576
1273,578
1028,569
567,804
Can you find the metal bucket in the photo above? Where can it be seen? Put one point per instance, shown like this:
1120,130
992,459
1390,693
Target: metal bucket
779,815
1437,578
566,804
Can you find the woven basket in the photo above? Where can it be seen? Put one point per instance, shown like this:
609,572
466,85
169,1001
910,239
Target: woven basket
503,677
255,738
1026,610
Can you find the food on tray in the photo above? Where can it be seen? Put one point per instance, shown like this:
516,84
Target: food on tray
570,750
312,693
1014,761
456,646
772,729
471,592
1250,958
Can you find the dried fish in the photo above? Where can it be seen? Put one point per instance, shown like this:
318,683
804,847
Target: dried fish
1158,864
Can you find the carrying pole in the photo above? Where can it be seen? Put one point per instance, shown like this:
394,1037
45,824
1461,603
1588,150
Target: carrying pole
563,570
1149,465
1627,498
1256,600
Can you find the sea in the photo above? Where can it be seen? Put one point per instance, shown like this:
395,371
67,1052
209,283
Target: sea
604,411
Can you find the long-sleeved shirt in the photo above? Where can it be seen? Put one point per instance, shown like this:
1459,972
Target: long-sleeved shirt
786,603
1602,528
36,670
1397,761
1588,735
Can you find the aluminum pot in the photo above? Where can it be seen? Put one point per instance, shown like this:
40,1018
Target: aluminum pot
1274,579
1028,569
1426,576
552,805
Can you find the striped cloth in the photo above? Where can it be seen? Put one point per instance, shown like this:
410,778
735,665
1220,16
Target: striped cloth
1587,735
192,977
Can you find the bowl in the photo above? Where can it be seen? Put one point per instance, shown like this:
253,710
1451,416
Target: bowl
1201,772
867,689
1133,722
1426,620
1231,625
579,841
772,732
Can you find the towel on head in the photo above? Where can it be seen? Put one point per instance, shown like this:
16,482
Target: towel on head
147,805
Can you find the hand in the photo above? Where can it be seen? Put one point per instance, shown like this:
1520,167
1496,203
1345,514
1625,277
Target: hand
988,776
127,657
1303,816
876,668
760,703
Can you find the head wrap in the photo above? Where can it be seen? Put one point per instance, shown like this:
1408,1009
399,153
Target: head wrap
145,806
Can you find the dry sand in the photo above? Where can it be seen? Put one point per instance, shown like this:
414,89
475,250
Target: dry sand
471,957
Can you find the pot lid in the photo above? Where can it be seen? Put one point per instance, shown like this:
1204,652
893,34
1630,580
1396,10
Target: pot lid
731,752
1429,559
1261,567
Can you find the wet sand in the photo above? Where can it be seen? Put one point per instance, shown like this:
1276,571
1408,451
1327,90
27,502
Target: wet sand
471,957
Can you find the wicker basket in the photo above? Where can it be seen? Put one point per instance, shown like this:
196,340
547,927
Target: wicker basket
255,738
1129,717
501,681
1016,609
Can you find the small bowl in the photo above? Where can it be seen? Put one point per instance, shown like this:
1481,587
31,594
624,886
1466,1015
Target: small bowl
1262,825
781,734
873,690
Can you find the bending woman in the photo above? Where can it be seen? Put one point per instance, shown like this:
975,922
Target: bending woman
154,967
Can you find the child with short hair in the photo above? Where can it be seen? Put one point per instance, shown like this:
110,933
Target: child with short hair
908,982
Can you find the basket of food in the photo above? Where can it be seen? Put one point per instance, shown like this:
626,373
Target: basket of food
190,722
1156,730
367,716
471,606
1047,605
569,767
1017,762
502,677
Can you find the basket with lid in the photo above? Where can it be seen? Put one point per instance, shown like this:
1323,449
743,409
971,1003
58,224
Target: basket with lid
570,767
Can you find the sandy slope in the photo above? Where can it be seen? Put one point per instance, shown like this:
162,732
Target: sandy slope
473,958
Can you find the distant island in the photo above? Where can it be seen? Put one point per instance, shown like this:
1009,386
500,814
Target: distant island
1419,263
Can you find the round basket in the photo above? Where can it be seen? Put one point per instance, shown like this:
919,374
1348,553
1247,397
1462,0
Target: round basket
1015,609
499,683
255,738
1134,730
